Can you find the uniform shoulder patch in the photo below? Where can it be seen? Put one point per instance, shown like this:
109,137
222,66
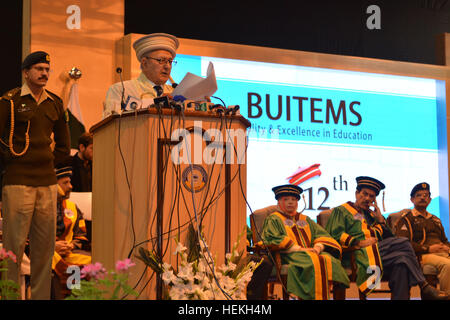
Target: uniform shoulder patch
405,213
55,96
11,93
436,219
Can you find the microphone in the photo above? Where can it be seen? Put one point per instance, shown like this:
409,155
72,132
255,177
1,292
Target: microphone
179,98
176,105
122,102
162,102
217,107
232,109
174,84
189,105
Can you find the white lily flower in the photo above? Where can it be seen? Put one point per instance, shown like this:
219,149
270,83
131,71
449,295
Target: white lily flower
166,266
197,281
168,277
180,248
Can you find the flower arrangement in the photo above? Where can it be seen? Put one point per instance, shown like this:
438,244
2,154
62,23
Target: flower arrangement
9,289
98,284
197,277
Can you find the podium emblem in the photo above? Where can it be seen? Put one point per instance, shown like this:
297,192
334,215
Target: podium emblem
194,178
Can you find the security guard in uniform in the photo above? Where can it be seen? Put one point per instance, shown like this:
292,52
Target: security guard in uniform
29,115
426,233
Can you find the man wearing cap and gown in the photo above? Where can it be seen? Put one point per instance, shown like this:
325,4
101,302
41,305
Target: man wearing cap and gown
155,52
376,250
72,245
311,254
426,233
29,115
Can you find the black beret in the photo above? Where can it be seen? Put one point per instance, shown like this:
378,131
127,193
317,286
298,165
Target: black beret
35,57
287,190
370,183
419,187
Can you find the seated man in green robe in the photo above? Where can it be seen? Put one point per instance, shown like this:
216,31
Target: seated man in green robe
311,253
376,250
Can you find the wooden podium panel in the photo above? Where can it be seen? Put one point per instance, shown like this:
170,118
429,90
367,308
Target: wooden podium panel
141,197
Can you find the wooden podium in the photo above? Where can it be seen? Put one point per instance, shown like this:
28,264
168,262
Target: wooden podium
145,192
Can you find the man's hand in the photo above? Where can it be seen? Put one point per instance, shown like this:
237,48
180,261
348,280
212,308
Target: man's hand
63,248
294,248
365,243
439,247
377,212
317,249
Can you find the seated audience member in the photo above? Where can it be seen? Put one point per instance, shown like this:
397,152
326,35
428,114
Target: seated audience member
356,225
311,254
82,164
71,242
426,233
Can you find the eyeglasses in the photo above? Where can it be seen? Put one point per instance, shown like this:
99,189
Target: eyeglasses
163,61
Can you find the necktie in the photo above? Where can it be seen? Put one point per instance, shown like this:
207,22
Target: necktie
159,90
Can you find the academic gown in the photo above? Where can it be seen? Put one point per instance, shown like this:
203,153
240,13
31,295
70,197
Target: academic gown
391,255
309,274
74,232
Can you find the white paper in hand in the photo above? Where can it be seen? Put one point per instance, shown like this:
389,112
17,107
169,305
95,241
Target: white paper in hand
196,88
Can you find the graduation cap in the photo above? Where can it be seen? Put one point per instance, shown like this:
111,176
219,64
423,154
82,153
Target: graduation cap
287,190
419,187
64,171
370,183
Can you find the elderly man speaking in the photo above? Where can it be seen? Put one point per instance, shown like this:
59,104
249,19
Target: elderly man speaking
155,53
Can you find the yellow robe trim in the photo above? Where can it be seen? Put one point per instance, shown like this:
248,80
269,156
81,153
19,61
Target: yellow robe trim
321,285
324,273
290,232
345,240
364,226
328,241
67,204
371,251
72,258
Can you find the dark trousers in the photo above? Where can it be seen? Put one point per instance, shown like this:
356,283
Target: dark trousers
257,285
400,265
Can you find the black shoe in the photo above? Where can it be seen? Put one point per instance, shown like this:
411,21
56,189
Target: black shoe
430,293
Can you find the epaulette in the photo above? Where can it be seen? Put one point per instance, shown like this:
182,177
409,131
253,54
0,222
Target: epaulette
433,217
54,96
11,93
406,211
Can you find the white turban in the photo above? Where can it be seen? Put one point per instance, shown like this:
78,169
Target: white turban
156,41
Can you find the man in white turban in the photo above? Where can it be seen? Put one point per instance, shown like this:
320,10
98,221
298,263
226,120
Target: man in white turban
155,52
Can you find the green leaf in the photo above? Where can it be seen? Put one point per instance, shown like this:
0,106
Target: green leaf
150,260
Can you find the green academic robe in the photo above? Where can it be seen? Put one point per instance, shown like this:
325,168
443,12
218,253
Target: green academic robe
346,225
309,274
